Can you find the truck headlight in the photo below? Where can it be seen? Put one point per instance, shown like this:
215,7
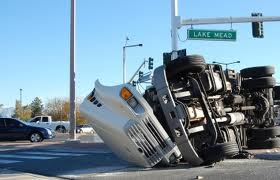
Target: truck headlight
128,97
132,102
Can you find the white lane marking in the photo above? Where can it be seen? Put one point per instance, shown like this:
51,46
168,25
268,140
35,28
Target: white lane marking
105,170
51,153
3,161
82,152
25,157
8,149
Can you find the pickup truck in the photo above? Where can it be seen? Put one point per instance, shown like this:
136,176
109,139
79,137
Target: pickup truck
47,122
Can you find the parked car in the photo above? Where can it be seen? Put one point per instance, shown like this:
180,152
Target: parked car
14,129
47,122
84,128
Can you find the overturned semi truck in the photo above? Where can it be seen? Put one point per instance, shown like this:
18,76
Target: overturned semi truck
193,111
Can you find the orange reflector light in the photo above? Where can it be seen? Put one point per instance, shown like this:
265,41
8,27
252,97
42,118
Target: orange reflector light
125,93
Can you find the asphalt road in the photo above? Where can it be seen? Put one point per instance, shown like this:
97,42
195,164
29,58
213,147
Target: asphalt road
88,160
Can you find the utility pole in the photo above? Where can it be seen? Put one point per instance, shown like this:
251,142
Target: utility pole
72,115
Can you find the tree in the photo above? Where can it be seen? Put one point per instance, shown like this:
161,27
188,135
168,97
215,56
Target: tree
36,107
59,109
18,110
54,108
79,117
22,112
26,113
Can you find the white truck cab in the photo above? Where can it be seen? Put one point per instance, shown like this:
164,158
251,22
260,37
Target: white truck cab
127,125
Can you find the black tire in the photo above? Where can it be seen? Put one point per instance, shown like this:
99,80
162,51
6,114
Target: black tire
60,129
219,152
263,144
186,64
35,137
256,72
263,133
259,83
276,93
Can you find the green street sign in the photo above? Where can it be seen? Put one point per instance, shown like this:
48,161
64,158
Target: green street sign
212,35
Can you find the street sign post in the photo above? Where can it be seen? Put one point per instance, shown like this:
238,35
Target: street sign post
212,35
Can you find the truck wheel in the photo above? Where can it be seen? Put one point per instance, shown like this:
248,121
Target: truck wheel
259,83
191,63
35,137
264,133
263,144
219,151
60,129
276,91
255,72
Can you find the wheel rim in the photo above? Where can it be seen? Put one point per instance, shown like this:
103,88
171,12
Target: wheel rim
61,129
35,137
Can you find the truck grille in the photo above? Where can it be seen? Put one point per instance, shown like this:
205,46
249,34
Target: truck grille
158,137
148,138
137,135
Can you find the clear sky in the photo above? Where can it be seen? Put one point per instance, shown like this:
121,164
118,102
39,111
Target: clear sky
34,41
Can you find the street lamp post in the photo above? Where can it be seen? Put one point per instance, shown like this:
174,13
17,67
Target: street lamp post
226,64
20,96
20,101
124,56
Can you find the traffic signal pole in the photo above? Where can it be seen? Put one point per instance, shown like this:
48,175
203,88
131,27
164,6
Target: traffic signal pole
177,23
228,20
136,72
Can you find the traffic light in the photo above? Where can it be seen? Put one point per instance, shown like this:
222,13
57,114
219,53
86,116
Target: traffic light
141,74
257,27
166,58
133,83
151,63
